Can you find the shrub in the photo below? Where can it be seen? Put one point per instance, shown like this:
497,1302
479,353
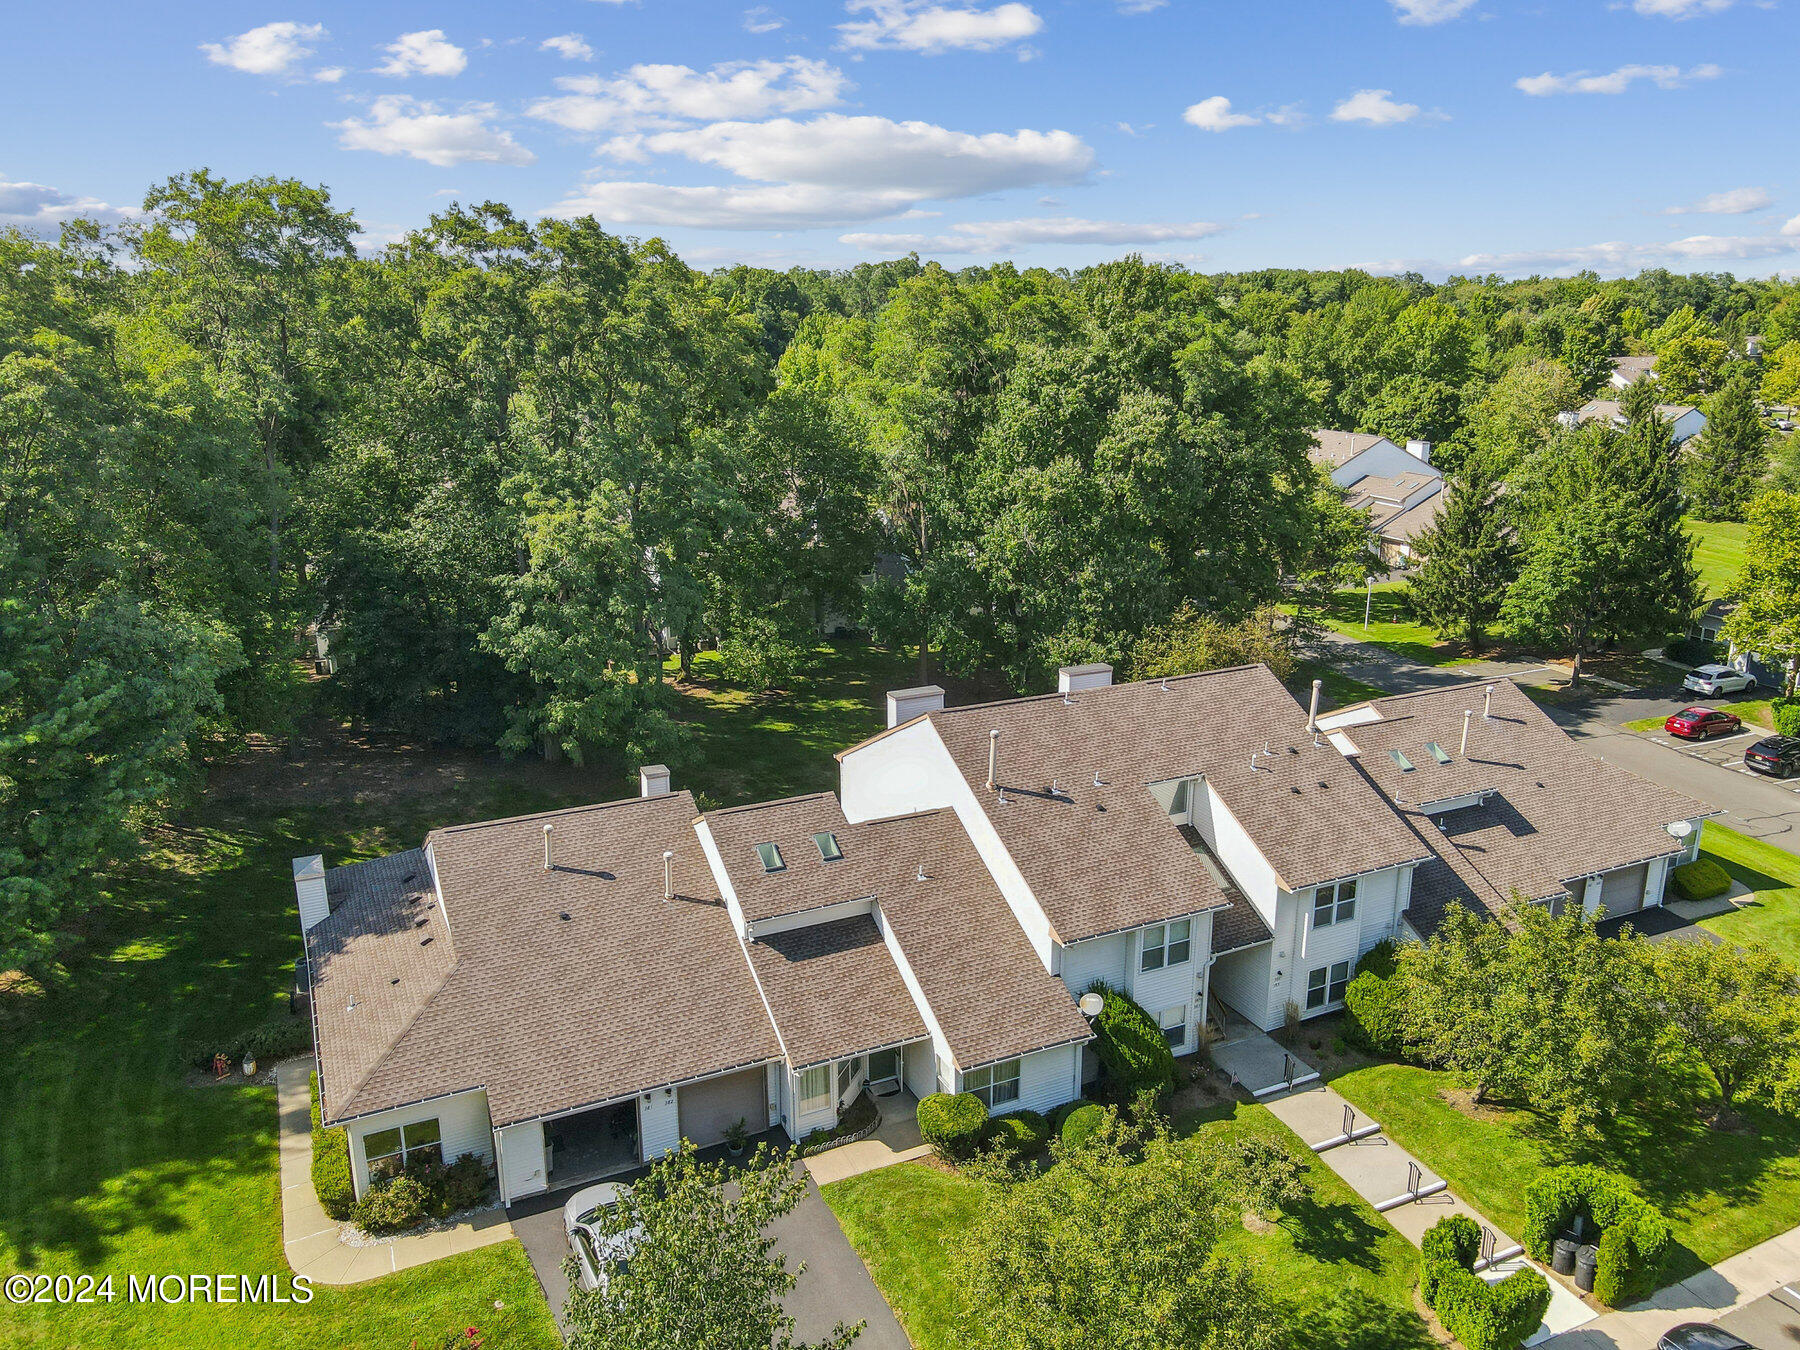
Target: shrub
1383,960
1373,1006
1694,651
331,1178
1634,1234
1786,715
1482,1316
1132,1048
1081,1123
1018,1135
1701,879
952,1121
280,1037
1063,1112
394,1205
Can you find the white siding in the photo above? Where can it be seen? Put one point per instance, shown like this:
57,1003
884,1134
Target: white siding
921,1069
1176,986
721,878
1047,1079
522,1169
1242,980
462,1123
1383,458
939,1047
1232,844
1099,959
659,1123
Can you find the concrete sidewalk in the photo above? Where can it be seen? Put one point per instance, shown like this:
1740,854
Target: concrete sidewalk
312,1239
1380,1170
896,1140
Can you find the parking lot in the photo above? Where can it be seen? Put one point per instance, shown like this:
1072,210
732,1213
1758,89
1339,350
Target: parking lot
1727,752
1770,1323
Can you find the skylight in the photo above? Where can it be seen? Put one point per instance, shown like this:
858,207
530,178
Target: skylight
771,857
829,849
1438,752
1406,765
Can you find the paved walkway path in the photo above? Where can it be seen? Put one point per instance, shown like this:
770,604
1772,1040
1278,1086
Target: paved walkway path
311,1238
896,1140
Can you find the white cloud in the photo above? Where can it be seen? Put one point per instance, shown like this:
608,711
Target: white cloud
1431,11
1618,257
399,125
1679,9
1139,6
1006,236
1615,81
652,96
919,26
1214,114
876,154
762,19
41,208
426,52
273,49
329,75
1736,202
1377,107
569,46
787,206
1792,228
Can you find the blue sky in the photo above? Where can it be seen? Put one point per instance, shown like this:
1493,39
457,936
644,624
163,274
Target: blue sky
1515,136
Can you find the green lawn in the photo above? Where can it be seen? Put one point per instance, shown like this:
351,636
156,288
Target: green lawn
1719,554
1391,624
1334,1257
1340,689
1772,914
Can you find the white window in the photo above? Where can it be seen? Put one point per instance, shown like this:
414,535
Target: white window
815,1088
996,1085
1166,944
1179,806
389,1151
1327,985
1174,1026
1334,904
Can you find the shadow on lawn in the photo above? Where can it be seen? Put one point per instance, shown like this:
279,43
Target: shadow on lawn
1333,1233
1356,1321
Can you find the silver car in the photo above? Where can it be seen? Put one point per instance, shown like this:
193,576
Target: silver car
1716,680
597,1252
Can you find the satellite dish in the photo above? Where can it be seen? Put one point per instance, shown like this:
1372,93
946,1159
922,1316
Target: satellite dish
1091,1005
1681,829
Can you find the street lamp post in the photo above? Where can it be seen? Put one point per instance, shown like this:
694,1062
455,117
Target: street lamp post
1368,600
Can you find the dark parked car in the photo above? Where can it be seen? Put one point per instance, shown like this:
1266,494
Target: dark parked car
1775,755
1700,1336
1696,724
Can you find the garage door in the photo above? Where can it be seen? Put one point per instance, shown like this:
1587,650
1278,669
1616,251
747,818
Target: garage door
1622,892
709,1109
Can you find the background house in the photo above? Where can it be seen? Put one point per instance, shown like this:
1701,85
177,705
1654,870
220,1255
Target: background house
1685,422
1628,370
1400,490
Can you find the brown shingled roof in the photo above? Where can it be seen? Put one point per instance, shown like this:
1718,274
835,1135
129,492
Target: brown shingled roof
835,991
806,881
1334,449
629,991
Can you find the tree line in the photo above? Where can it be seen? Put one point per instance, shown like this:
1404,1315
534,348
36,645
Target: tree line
522,472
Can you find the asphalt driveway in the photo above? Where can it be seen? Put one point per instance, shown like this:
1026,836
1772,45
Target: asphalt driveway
834,1286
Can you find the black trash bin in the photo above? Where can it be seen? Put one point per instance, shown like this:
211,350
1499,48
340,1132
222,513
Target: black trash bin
1562,1256
1586,1260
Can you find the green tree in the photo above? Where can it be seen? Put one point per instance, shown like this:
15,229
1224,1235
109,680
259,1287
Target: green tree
704,1270
1767,618
1262,1176
1116,1245
1192,642
1735,1009
1517,417
1467,559
1731,457
1459,1003
1689,356
1781,376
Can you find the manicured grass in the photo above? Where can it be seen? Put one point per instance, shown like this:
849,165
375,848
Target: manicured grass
1347,1273
1391,624
1772,913
1340,689
1723,1192
1718,553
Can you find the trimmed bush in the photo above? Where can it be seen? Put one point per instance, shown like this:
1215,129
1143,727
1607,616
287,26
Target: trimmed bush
952,1121
1383,960
1132,1048
1482,1316
1081,1124
1701,879
1063,1112
1634,1234
331,1178
279,1038
1372,1006
1786,714
1694,651
394,1205
1018,1135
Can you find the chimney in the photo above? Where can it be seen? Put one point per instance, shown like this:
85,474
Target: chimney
1312,716
1487,703
653,780
1419,450
905,704
1467,714
309,890
668,874
1073,679
547,863
993,755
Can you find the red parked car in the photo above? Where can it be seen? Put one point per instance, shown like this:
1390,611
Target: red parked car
1696,724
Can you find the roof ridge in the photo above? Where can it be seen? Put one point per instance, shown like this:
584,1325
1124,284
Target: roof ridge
1096,689
559,811
761,806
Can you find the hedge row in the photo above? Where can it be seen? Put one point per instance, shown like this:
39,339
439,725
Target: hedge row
1701,879
1018,1135
1080,1124
331,1178
1482,1316
425,1190
1372,1003
1786,713
1633,1233
952,1122
1132,1048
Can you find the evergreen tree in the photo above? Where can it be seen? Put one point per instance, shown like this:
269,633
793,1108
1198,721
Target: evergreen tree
1466,560
1733,452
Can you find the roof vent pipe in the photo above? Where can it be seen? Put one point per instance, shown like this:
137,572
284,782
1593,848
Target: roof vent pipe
1467,714
668,874
993,755
547,863
1312,716
1487,704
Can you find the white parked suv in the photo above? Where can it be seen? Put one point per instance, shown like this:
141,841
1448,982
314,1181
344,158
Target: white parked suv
596,1253
1716,680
